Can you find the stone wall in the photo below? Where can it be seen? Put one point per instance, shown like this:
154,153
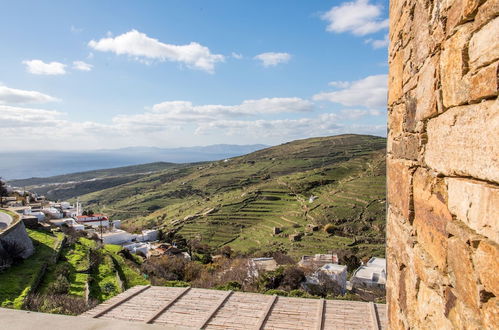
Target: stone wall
443,164
16,233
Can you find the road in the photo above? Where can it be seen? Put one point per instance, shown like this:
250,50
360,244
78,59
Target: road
5,220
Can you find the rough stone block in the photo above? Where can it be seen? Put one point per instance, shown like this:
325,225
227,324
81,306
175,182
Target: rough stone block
476,204
463,141
431,215
395,78
484,45
410,122
406,147
430,309
426,269
462,274
486,261
453,66
490,313
421,34
399,178
483,84
486,12
426,90
460,11
399,240
396,120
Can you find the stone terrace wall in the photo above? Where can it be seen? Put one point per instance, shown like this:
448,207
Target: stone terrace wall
443,164
16,233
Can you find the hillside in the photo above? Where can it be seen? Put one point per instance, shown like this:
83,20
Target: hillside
65,274
67,186
238,202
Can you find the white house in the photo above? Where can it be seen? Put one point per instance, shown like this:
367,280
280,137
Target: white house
317,260
65,205
52,212
370,275
326,274
39,215
148,235
94,220
138,247
117,236
71,212
257,265
336,273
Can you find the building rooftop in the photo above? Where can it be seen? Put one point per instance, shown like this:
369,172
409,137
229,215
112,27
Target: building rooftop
377,262
214,309
334,268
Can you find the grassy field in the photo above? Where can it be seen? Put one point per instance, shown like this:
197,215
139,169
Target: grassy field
250,195
16,282
113,273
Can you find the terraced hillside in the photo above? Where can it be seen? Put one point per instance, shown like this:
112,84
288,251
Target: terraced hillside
67,186
335,181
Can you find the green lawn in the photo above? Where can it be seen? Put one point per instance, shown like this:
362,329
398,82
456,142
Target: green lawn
15,282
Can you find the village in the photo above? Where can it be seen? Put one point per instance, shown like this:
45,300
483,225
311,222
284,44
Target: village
323,272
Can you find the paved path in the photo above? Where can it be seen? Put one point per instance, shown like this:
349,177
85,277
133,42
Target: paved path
25,320
5,220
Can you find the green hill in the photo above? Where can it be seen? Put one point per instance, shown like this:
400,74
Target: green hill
238,202
67,186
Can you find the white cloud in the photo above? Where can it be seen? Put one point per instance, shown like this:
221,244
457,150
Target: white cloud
16,117
75,29
237,56
354,114
184,112
272,59
339,84
137,44
40,67
358,17
370,92
82,66
19,96
280,128
378,43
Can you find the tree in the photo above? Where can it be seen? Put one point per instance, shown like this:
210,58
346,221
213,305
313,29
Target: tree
3,191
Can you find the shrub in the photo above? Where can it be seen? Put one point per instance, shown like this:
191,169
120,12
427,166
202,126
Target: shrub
292,277
61,304
60,285
330,228
169,268
232,285
63,269
176,284
299,294
109,287
277,292
270,280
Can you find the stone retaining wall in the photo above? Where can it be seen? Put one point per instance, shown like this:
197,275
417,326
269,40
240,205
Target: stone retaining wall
16,232
443,164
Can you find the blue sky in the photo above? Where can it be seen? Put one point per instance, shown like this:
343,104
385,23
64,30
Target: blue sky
110,74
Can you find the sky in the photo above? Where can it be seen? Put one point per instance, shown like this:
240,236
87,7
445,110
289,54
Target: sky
82,75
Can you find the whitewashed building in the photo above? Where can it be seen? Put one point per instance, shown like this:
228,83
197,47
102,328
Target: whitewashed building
143,248
148,235
94,220
370,275
117,236
257,265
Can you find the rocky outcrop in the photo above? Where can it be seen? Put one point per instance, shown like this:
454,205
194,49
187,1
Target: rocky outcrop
443,164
